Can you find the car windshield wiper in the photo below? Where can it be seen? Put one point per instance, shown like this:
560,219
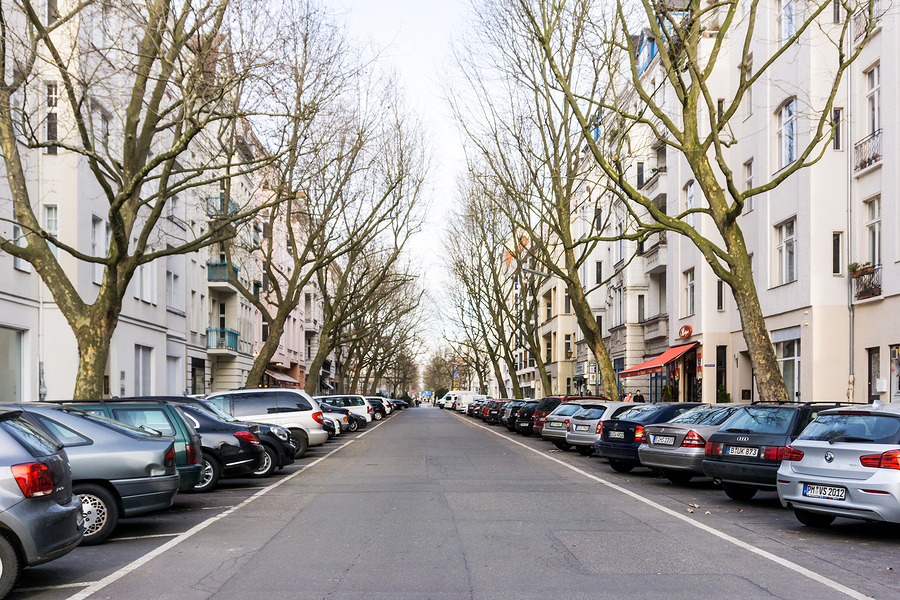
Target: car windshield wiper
849,438
737,430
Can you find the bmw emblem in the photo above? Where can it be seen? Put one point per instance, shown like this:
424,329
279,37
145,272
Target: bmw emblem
829,457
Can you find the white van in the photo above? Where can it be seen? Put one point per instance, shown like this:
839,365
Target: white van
466,398
448,400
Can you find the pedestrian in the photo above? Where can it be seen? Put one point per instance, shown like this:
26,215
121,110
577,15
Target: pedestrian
628,398
638,397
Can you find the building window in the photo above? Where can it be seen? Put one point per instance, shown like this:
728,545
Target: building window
873,99
720,295
748,184
689,201
568,345
837,251
641,309
142,370
549,352
599,271
837,123
787,133
720,109
873,231
568,302
173,376
600,324
689,293
173,291
51,225
100,237
549,310
785,21
785,252
19,240
788,355
748,93
52,134
836,10
640,175
52,14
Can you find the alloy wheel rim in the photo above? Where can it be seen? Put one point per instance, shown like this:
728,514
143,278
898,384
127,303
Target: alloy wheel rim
207,475
94,511
267,461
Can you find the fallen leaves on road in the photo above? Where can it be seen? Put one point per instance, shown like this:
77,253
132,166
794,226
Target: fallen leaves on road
690,510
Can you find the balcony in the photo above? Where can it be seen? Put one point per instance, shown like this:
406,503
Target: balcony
871,13
866,282
220,276
221,206
867,151
656,327
222,341
656,257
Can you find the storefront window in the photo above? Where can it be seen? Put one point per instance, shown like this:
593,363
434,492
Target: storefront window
11,365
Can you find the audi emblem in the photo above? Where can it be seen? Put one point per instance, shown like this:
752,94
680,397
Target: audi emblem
829,457
743,438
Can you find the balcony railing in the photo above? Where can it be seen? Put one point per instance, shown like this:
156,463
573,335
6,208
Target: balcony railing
222,339
867,282
221,205
870,13
867,151
651,176
220,271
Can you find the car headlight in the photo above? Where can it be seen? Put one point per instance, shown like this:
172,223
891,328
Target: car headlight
281,433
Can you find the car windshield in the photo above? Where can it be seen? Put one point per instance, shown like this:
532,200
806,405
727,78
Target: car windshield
876,429
639,414
566,410
760,419
705,415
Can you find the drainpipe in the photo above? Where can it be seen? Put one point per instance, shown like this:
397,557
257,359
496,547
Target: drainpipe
42,387
851,392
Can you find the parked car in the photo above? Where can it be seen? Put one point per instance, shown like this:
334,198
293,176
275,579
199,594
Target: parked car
118,471
511,413
556,424
494,411
40,517
230,449
549,403
622,435
354,403
525,418
746,451
586,424
276,441
379,411
400,404
355,422
154,415
290,408
330,425
472,408
677,447
846,463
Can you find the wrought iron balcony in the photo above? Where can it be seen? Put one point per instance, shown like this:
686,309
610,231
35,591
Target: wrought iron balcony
221,205
870,13
222,339
867,151
867,282
221,271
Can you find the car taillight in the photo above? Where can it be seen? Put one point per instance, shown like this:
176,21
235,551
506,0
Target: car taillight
886,460
566,421
34,479
193,457
792,454
169,460
246,436
599,427
773,452
639,433
369,409
693,440
713,449
318,418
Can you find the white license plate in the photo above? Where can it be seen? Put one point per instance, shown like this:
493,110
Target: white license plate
826,492
664,440
555,424
619,435
581,428
742,451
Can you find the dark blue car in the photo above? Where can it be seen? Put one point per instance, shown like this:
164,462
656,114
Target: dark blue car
621,436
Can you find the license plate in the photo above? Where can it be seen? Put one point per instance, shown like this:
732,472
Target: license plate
664,440
825,492
555,424
619,435
581,428
742,451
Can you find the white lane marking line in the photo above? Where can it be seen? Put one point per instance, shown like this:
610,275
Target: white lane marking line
136,564
142,537
719,534
45,588
217,507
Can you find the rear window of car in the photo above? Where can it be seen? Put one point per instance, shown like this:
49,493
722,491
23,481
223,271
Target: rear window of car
548,404
591,412
705,415
876,429
566,410
146,418
758,419
35,441
639,414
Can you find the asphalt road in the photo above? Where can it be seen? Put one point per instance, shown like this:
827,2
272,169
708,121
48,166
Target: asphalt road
431,504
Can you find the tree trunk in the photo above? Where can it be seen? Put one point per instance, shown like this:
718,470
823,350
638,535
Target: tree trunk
593,336
93,354
312,377
266,352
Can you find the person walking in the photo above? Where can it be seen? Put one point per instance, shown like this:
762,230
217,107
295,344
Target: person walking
638,397
628,398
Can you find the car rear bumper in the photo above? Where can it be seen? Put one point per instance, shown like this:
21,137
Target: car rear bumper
874,499
317,437
553,434
689,460
190,476
617,451
146,494
761,476
524,426
45,529
581,438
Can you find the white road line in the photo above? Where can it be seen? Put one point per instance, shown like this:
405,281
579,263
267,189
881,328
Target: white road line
96,586
817,577
142,537
45,588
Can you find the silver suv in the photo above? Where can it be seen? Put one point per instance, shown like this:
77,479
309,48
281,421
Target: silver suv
40,517
290,408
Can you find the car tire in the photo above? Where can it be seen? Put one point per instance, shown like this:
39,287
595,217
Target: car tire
811,519
585,450
562,445
738,492
10,567
269,463
621,466
354,426
100,510
378,416
211,474
300,441
677,477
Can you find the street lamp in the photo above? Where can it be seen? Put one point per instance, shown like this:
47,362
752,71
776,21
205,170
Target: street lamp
538,273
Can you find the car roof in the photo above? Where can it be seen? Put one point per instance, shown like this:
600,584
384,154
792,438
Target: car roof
875,408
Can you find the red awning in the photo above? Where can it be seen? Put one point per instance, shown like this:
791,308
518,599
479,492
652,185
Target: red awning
657,363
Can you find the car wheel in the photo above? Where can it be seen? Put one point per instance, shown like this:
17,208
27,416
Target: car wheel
354,425
621,466
678,477
101,513
300,442
9,566
378,416
811,519
738,492
585,450
211,473
268,464
562,445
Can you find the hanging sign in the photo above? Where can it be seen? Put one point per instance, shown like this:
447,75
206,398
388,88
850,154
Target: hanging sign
685,332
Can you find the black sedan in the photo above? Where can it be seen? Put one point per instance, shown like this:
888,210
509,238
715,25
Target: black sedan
379,411
230,449
510,413
622,435
525,418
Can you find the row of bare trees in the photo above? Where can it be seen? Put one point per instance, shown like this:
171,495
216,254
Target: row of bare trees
160,101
